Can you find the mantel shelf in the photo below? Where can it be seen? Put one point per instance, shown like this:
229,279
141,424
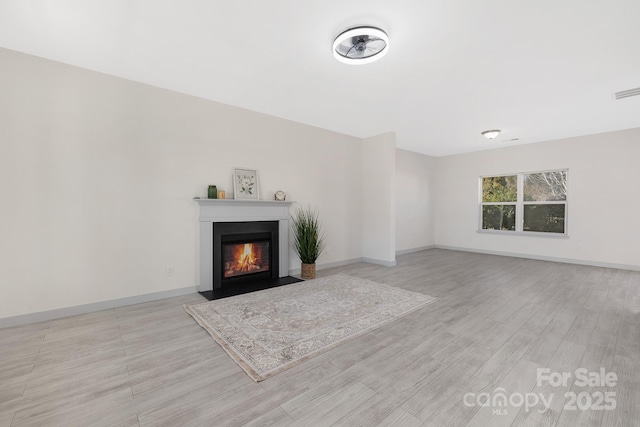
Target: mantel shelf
205,201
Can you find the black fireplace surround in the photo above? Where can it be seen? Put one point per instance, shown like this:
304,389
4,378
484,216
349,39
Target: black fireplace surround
239,233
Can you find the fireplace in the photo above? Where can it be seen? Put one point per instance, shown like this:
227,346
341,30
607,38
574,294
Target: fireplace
244,252
229,225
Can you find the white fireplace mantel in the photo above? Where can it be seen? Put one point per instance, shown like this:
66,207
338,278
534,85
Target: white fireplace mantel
230,210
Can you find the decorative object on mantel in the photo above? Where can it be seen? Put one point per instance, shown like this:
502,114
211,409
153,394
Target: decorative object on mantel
269,331
222,194
212,193
307,240
245,184
280,196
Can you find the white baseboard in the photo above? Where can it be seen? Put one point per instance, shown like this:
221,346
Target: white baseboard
544,258
410,251
379,262
43,316
296,271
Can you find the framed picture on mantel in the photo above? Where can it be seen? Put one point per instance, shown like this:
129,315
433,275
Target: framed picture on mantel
245,184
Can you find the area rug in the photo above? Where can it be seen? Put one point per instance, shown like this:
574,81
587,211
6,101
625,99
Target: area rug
269,331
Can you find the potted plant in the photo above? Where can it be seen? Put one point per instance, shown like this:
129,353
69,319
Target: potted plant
307,240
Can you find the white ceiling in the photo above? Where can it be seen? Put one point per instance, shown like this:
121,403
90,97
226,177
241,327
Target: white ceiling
538,70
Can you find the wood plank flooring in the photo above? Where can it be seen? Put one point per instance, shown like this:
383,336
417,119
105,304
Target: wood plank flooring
499,320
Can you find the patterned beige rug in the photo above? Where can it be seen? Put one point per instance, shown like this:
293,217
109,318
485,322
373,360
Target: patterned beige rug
269,331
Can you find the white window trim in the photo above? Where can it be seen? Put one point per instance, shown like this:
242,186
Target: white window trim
519,204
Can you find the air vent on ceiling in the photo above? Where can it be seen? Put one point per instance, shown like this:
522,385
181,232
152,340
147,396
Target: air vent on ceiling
627,93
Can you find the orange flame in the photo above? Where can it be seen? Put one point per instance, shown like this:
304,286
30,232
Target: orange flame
247,260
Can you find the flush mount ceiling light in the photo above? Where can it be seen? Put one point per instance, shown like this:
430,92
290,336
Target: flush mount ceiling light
361,45
490,134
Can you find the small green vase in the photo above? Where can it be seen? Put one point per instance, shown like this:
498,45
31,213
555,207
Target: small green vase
213,192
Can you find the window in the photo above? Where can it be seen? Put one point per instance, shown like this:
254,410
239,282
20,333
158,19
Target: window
499,199
525,202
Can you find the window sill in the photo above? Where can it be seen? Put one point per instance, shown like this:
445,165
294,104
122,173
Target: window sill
525,233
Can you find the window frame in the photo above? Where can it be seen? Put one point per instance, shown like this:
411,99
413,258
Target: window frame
520,204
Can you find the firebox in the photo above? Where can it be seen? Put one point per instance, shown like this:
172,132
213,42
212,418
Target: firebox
239,259
244,252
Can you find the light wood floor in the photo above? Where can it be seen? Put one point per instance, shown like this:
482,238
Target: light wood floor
498,320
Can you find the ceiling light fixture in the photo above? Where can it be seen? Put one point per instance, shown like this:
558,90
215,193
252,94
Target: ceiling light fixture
360,45
490,134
